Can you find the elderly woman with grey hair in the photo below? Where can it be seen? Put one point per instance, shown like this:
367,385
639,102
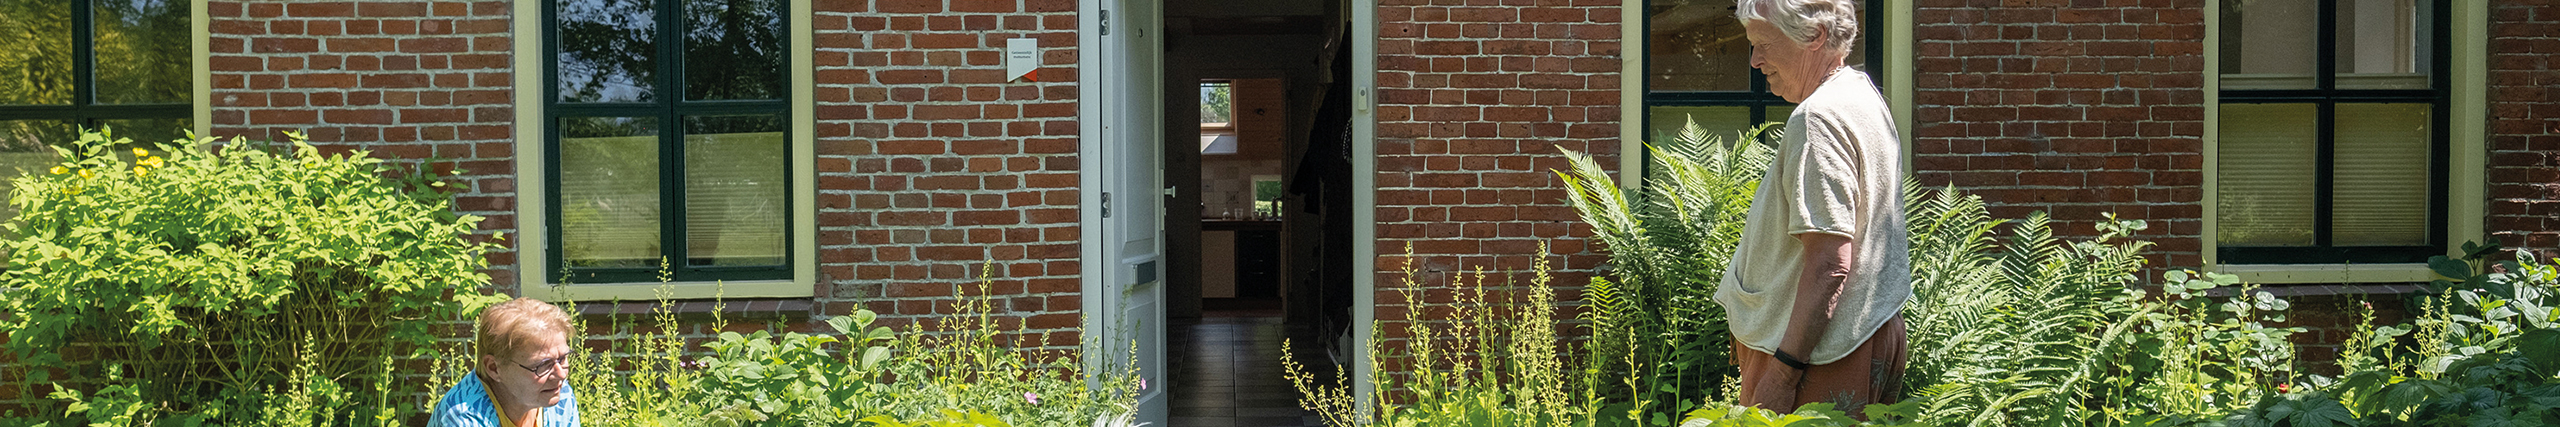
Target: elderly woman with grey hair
1816,287
520,378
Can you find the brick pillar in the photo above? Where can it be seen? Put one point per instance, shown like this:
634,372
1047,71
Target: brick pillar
2070,108
1474,99
2524,125
932,163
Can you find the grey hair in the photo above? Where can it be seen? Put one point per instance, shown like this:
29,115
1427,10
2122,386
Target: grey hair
1798,19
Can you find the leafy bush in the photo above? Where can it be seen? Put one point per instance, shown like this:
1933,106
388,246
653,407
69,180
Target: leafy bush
960,371
1658,322
195,282
2484,351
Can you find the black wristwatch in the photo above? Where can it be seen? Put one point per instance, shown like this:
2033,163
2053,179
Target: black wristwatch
1790,361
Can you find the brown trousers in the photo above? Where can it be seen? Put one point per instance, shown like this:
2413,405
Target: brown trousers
1871,374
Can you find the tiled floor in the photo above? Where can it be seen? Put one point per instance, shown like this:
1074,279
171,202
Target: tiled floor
1226,372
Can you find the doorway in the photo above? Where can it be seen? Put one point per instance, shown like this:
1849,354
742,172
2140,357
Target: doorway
1258,224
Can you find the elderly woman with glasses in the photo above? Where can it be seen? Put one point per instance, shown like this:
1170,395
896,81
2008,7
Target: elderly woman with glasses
1816,287
521,378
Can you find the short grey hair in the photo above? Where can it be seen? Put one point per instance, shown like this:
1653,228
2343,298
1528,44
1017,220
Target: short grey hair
1798,19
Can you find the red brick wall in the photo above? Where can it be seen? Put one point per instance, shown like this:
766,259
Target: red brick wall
404,79
2524,125
1473,99
2072,108
930,163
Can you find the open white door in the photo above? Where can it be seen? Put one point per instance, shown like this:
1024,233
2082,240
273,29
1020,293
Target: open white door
1123,210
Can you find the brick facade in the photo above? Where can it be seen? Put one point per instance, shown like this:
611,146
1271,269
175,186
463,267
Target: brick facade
1473,100
931,163
2524,125
2076,109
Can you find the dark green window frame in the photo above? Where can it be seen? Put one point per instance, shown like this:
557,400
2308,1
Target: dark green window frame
670,107
85,111
1758,99
2326,96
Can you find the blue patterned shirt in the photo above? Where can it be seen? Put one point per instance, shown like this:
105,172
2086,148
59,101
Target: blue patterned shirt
468,405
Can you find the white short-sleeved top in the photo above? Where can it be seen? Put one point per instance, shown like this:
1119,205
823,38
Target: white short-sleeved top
1839,171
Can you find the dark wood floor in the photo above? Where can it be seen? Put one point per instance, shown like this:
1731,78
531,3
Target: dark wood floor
1226,370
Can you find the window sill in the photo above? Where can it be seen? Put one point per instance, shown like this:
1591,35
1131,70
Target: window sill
702,309
2279,274
672,291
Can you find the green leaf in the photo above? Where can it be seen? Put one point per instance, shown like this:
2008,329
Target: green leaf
843,325
2542,348
871,358
2449,268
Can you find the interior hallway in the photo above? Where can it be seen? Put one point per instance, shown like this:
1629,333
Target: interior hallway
1226,368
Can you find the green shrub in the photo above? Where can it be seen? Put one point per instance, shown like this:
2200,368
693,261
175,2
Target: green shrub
1658,322
959,371
230,283
2485,350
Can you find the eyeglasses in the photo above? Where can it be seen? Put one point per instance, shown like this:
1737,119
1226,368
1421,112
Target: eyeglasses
544,369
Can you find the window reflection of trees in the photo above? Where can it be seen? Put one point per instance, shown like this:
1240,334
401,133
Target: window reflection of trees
733,49
608,52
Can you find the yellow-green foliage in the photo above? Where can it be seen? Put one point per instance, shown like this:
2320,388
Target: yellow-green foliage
1493,361
215,280
959,371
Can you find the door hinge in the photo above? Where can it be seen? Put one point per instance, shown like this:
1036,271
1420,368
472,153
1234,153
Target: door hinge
1106,22
1106,204
1171,191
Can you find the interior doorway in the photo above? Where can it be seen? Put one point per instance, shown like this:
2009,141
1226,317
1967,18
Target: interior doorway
1258,225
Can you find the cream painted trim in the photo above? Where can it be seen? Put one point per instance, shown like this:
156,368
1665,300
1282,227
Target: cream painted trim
2211,251
532,213
1364,205
1631,72
670,290
2468,181
1898,90
2330,273
200,42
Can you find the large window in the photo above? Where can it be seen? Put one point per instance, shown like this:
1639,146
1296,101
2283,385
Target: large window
2333,141
1698,67
66,65
668,149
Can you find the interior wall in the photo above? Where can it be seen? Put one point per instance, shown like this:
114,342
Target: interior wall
1287,43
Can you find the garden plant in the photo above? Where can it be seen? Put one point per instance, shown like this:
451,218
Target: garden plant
204,282
2026,329
964,369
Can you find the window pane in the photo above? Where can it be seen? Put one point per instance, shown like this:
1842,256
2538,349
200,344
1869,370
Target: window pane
23,151
2267,172
608,50
2269,44
733,49
736,190
2382,188
1721,122
142,50
1695,45
35,53
2380,44
149,131
1217,100
609,192
35,135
